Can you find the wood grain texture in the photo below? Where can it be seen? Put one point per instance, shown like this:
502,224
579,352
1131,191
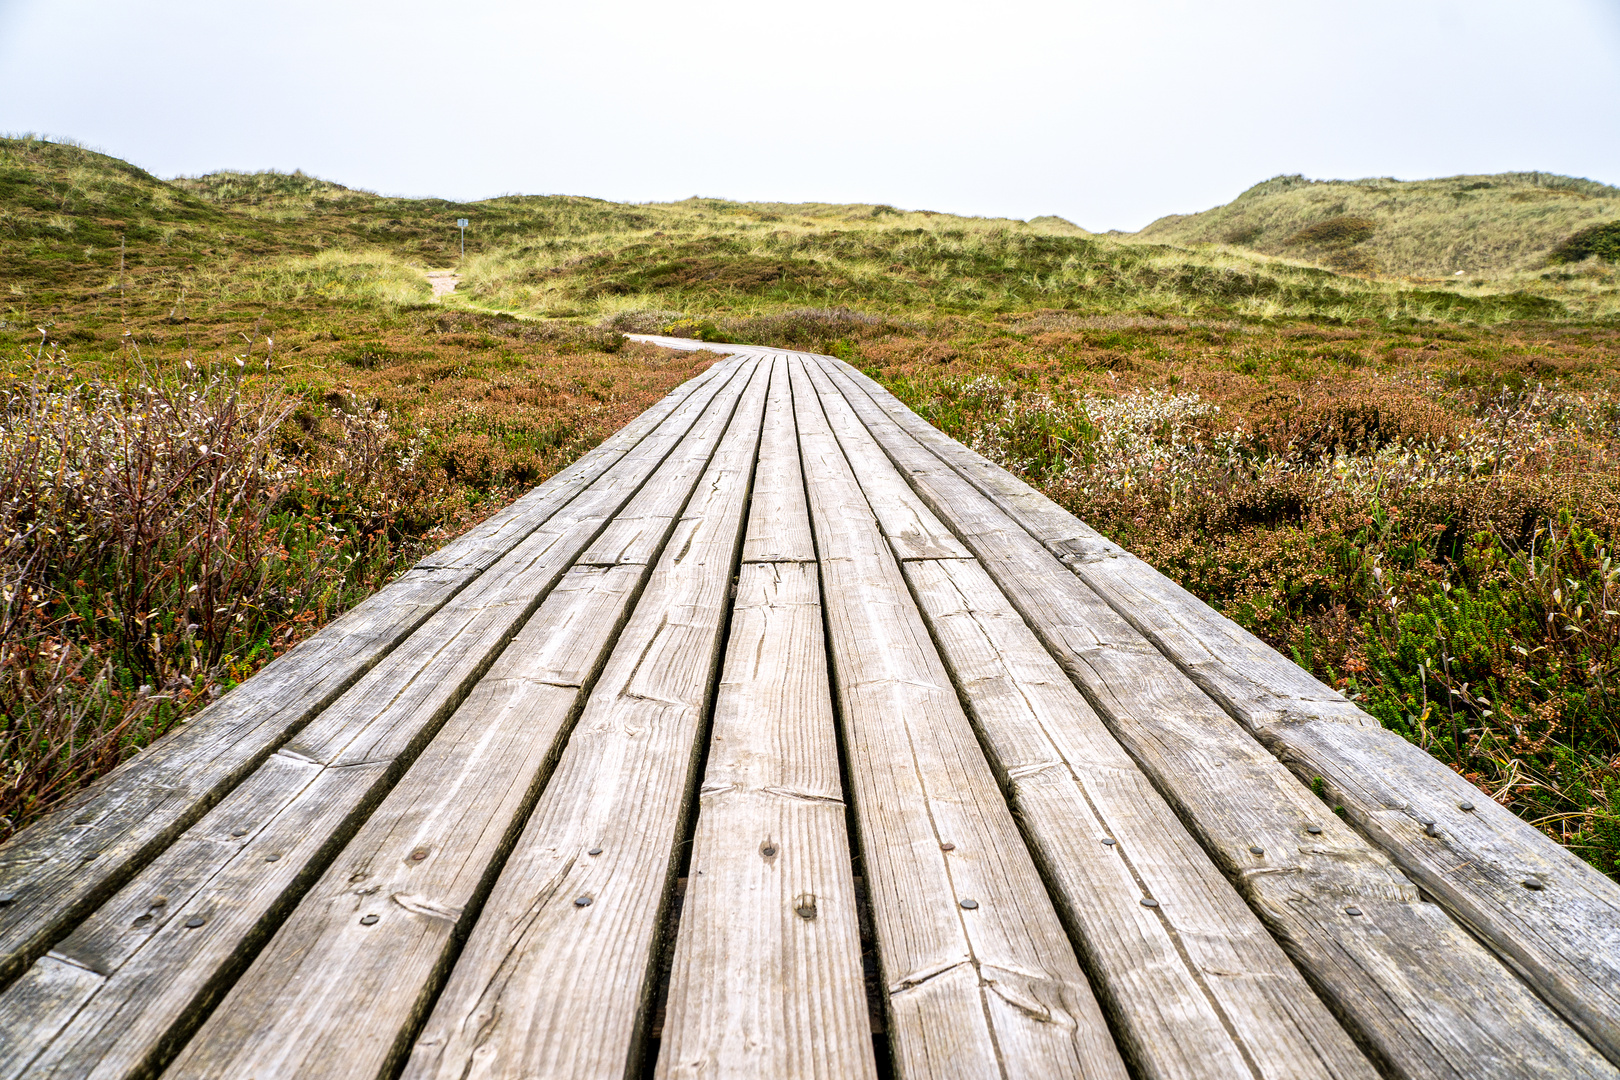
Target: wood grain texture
160,978
1412,984
1564,938
1196,987
346,993
555,977
990,989
766,979
61,867
778,517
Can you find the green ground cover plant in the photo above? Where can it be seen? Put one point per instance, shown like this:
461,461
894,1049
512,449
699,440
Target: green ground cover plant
1427,521
1409,486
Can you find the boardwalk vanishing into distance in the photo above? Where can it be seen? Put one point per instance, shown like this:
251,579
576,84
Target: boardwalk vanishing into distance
783,736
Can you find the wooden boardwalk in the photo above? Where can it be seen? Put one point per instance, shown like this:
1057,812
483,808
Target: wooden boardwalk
782,736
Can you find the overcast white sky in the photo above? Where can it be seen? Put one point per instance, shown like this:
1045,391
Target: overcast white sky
1107,112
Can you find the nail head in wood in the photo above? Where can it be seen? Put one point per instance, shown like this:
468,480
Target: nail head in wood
194,922
368,920
582,901
1256,849
970,904
1110,841
947,846
1148,901
271,858
594,851
419,854
1533,885
1352,911
1465,805
1314,830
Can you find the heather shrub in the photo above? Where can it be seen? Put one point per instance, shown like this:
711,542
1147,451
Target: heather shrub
159,538
1444,555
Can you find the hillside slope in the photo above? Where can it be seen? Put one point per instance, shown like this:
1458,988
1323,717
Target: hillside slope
79,229
1484,226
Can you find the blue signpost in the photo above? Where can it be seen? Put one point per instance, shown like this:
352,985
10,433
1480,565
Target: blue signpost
461,223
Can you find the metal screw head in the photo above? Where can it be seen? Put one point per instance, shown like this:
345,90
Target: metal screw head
947,846
1256,849
368,920
1533,885
1110,841
195,921
594,851
582,901
419,854
1314,830
1148,901
1465,805
1352,911
970,904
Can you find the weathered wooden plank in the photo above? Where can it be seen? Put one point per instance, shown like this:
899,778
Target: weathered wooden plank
767,972
161,976
54,872
778,516
555,976
1196,986
1563,938
481,546
350,974
912,529
1412,984
766,979
981,979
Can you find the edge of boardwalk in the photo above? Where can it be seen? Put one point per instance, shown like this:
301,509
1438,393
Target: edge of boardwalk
355,733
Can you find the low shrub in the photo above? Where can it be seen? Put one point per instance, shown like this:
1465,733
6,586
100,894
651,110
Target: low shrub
1602,241
1443,555
160,538
1343,230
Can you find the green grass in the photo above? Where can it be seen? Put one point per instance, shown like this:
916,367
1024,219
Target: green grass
78,227
1500,229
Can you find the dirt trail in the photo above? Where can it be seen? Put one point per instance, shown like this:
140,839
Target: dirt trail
444,282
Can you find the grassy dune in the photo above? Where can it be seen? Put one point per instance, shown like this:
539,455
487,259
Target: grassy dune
1408,485
1489,230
